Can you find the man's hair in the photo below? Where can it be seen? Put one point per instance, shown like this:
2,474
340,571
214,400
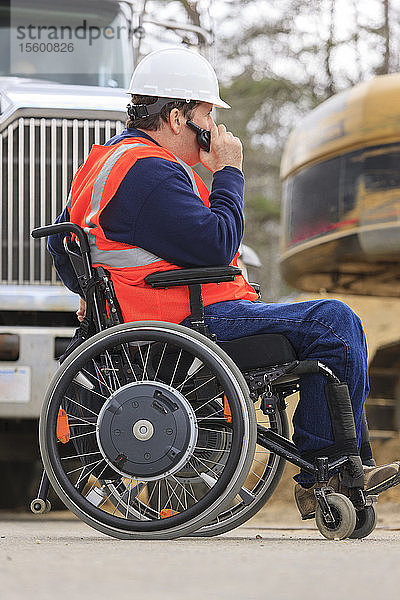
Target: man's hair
154,122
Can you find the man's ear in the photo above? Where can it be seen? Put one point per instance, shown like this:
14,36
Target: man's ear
175,120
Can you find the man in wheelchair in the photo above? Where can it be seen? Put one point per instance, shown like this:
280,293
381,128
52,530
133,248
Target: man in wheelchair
146,211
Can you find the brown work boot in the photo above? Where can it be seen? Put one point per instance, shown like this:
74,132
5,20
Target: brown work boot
376,476
373,477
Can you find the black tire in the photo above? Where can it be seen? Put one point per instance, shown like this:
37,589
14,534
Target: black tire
108,383
260,484
365,522
344,515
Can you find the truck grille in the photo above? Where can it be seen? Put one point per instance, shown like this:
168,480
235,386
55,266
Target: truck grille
38,158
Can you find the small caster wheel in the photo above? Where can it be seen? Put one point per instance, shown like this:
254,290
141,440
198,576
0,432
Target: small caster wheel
48,507
39,506
365,522
344,515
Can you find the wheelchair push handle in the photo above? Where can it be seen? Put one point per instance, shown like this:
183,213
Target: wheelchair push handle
66,227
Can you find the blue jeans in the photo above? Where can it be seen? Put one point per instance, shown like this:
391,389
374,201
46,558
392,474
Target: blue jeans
327,330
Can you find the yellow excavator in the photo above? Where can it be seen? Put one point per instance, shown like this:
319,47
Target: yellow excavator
341,215
341,175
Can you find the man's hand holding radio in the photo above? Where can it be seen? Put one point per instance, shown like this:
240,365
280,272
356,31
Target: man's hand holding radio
225,150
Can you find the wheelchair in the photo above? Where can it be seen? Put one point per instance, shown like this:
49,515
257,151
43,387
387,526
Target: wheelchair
152,430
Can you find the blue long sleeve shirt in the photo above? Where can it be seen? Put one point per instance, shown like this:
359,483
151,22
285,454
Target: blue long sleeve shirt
156,209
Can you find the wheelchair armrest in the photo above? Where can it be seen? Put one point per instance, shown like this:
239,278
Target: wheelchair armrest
165,279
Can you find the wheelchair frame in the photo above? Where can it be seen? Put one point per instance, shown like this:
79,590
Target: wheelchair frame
271,383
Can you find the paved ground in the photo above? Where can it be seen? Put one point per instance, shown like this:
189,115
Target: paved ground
60,557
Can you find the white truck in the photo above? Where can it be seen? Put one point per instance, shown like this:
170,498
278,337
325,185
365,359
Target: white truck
53,106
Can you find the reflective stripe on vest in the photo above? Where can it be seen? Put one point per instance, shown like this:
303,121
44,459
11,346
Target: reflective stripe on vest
129,257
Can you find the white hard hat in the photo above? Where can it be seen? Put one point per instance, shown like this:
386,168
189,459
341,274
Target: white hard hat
176,73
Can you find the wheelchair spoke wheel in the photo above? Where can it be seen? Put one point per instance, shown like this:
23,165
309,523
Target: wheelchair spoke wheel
263,477
134,417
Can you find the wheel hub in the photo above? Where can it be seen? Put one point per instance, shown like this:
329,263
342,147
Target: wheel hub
143,430
146,430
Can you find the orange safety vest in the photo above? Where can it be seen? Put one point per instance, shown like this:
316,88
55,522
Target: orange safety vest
93,186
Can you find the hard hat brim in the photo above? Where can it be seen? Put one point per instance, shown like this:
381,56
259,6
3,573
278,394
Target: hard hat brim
221,104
